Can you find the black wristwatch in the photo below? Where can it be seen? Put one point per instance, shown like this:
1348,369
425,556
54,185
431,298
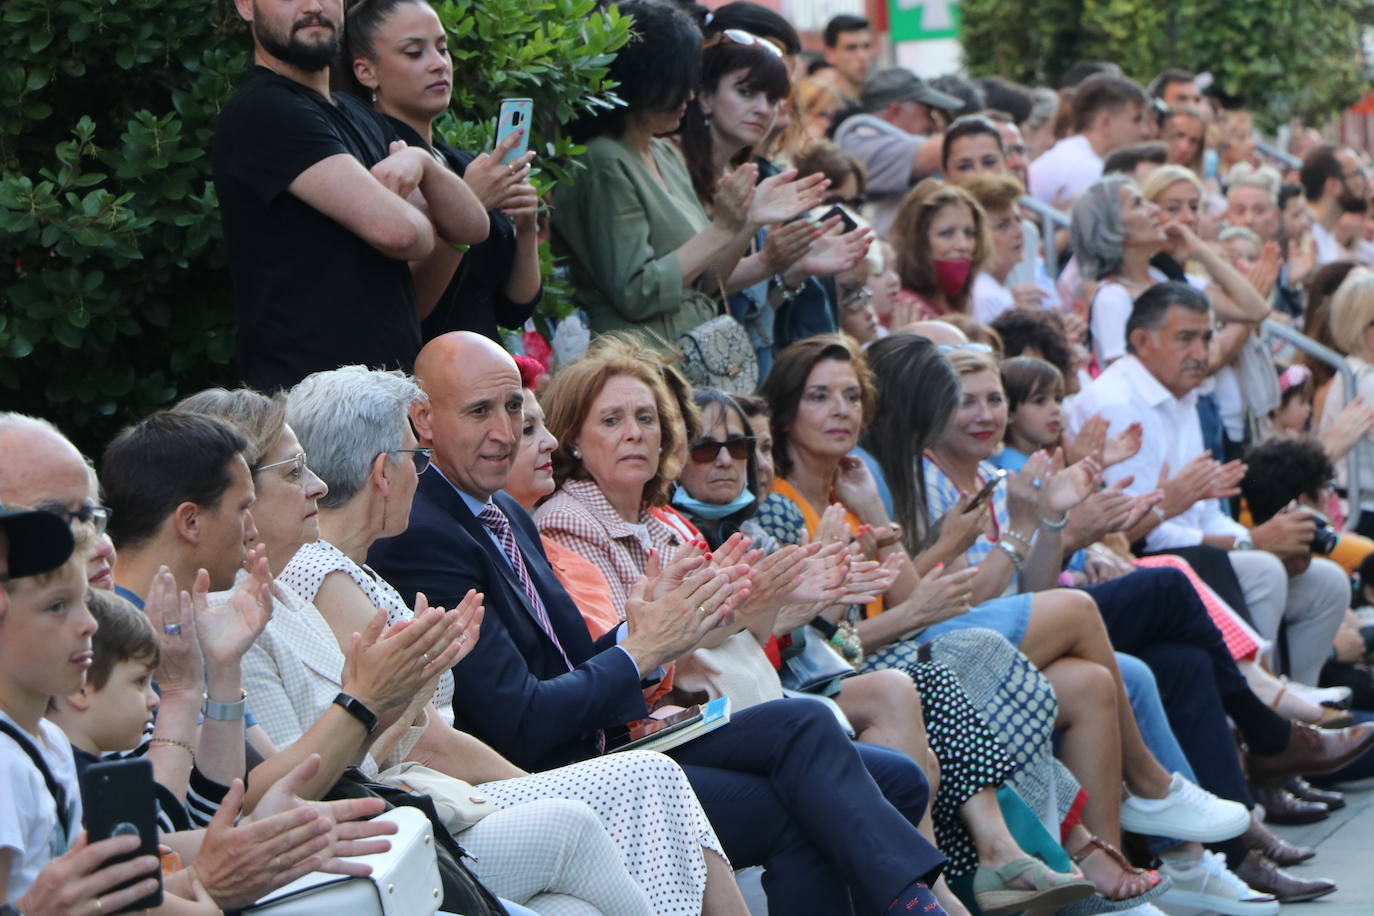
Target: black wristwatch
355,708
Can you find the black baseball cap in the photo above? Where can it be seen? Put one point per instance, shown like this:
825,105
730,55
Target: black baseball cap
39,541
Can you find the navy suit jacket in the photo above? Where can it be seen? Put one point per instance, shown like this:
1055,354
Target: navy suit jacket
513,690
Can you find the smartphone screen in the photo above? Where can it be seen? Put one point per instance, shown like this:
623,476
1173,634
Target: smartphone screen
515,115
118,800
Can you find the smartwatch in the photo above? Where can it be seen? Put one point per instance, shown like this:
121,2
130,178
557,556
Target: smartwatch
355,708
224,712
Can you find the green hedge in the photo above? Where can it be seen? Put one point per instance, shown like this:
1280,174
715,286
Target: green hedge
1298,58
114,291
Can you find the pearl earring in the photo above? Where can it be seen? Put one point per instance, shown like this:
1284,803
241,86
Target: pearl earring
577,453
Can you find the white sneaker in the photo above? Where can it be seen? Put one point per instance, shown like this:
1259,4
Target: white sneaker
1188,812
1209,885
1320,696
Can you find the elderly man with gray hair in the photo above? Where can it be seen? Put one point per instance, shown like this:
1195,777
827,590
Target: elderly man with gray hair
354,424
1169,331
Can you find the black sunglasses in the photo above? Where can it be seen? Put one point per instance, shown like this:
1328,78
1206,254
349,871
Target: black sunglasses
704,451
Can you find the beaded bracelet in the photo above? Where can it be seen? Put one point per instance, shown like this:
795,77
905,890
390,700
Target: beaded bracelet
170,742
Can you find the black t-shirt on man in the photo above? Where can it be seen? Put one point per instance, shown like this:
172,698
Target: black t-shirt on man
310,294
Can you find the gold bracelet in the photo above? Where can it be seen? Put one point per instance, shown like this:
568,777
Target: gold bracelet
170,742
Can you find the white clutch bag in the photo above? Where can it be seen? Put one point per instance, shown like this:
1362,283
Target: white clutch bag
404,880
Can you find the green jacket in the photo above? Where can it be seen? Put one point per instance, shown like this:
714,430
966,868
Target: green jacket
619,230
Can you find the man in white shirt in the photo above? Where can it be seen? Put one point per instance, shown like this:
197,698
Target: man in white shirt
1155,384
897,138
1108,113
1333,183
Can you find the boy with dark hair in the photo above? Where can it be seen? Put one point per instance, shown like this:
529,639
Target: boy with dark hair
114,707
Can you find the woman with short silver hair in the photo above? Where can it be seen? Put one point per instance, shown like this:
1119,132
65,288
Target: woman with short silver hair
354,424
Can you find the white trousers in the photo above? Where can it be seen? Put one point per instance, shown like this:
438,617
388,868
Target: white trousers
555,857
1309,606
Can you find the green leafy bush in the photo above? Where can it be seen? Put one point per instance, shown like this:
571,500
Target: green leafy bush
1289,59
114,290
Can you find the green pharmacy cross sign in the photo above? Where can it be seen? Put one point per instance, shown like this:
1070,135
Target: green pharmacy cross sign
916,20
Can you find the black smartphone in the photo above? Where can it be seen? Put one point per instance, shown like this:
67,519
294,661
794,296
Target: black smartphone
119,800
984,494
641,729
845,219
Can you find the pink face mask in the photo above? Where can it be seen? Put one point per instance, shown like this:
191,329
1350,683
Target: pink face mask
952,273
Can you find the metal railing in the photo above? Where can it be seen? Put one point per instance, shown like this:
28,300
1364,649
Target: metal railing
1299,341
1050,220
1282,157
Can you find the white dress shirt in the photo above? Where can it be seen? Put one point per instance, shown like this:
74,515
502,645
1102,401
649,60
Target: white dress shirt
1127,393
1065,169
1328,249
990,298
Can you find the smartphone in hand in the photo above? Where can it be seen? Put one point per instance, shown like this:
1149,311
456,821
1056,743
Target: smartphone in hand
515,114
119,800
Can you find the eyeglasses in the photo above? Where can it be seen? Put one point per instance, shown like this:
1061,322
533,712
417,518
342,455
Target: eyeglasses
741,37
296,463
421,456
855,300
704,451
98,517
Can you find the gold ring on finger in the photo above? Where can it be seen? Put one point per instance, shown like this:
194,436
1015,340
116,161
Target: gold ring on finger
425,656
701,609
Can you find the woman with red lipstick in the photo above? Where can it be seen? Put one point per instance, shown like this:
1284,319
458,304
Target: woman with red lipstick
941,237
819,391
398,52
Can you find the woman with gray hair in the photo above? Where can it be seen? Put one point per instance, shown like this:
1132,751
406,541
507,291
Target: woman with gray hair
1114,233
354,424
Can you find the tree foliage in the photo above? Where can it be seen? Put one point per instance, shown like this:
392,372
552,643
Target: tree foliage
114,289
1287,58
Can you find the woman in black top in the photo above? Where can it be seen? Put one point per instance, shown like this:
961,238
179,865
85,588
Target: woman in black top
398,52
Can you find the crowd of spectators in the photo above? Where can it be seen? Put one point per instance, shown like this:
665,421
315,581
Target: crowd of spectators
1030,566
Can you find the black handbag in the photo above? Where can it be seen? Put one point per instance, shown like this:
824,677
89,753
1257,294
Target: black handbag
816,668
463,892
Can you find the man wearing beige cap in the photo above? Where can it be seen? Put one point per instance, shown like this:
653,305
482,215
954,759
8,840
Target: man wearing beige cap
896,137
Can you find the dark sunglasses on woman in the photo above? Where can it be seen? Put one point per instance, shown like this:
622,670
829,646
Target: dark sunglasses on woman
704,451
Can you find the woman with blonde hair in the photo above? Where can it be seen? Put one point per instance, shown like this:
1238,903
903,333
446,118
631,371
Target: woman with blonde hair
941,237
1352,313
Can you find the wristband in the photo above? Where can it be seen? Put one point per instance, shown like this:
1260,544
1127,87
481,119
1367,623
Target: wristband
224,712
1158,510
1055,526
1017,558
355,708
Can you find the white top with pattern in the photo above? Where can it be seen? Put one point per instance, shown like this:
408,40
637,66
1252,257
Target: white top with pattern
305,574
